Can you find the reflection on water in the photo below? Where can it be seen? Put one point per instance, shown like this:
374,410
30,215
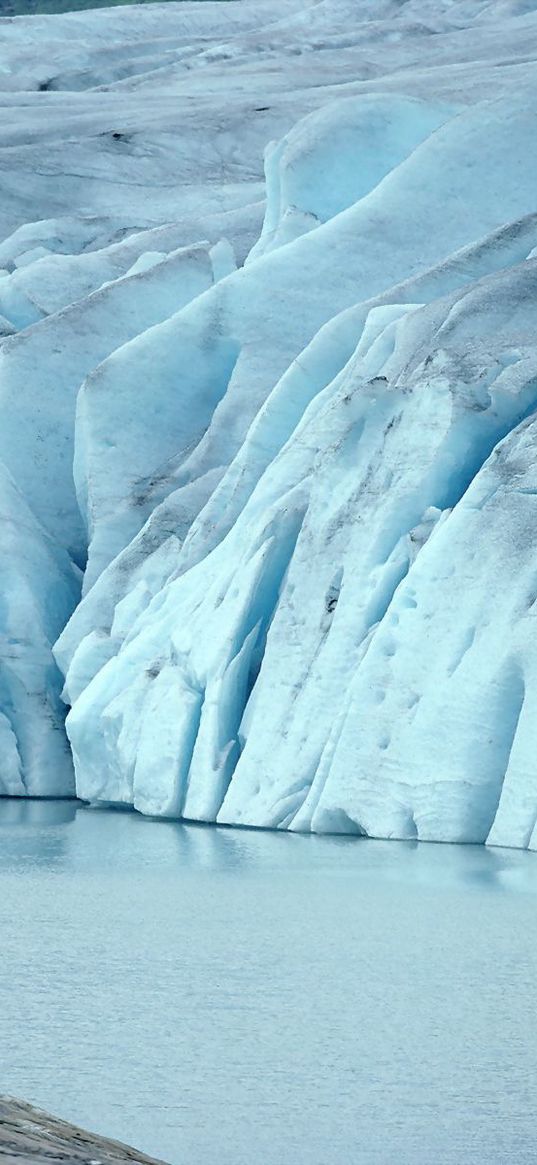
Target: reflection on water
30,811
31,831
258,998
65,831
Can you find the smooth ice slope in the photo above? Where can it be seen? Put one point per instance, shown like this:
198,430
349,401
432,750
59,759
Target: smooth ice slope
334,157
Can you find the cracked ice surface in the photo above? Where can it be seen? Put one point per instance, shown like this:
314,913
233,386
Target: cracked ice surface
291,445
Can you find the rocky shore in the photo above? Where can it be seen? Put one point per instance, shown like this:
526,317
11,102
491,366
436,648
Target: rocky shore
29,1136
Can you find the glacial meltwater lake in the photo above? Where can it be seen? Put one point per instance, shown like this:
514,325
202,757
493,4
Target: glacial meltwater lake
231,997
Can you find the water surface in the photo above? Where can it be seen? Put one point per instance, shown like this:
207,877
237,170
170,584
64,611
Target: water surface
231,997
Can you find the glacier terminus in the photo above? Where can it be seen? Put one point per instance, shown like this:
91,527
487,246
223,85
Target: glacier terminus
268,386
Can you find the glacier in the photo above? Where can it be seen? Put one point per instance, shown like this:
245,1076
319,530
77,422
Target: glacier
268,375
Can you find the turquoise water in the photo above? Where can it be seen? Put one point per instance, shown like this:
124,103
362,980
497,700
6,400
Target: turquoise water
244,998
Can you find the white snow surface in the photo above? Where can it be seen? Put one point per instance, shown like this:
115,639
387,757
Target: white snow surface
268,378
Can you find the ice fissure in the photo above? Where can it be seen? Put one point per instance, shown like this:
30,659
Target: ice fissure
267,456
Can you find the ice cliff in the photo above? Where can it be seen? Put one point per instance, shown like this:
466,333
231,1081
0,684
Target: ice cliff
268,481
